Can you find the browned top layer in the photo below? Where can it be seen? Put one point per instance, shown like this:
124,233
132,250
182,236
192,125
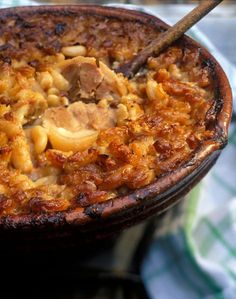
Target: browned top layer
72,132
38,35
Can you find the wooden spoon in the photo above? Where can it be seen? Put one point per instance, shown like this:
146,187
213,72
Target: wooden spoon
166,38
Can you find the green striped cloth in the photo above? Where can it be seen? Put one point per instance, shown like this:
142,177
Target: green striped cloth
197,259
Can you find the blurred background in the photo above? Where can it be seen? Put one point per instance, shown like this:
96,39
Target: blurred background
145,2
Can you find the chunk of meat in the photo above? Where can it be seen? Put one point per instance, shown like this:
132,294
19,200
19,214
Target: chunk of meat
80,115
84,78
92,80
112,86
76,127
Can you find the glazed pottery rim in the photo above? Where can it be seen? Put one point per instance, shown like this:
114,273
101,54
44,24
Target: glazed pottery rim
179,180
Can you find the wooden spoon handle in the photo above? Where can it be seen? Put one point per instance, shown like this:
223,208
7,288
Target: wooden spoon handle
130,68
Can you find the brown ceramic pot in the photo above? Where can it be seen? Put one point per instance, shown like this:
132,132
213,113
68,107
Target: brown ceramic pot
105,219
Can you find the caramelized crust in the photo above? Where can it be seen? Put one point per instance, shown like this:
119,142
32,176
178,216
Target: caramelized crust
72,131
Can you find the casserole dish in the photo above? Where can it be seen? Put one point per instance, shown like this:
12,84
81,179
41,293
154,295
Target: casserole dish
26,33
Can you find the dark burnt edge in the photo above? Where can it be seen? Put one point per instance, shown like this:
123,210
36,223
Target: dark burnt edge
59,219
95,211
24,222
146,199
145,196
216,108
220,91
144,210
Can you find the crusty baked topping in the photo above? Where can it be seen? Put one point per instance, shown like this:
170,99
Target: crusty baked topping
72,131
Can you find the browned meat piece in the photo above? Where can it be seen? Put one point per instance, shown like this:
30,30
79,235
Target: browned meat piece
91,81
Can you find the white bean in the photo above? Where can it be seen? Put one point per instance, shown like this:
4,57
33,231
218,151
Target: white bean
46,80
40,138
59,81
73,51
